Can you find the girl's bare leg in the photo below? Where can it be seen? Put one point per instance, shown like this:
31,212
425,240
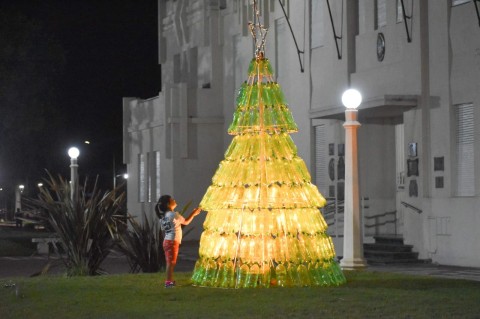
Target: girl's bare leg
169,271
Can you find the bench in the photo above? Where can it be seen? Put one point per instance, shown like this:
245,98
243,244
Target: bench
42,244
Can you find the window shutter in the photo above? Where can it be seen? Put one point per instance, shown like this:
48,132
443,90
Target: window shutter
149,177
318,30
465,150
141,178
380,13
321,159
157,174
400,155
399,11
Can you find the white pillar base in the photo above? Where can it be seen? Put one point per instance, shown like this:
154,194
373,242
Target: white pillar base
353,264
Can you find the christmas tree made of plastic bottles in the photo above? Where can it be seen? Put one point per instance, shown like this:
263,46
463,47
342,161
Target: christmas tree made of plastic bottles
264,227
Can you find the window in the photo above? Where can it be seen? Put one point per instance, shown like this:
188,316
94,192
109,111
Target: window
141,178
318,30
399,11
149,176
400,155
459,2
380,13
222,4
321,179
408,5
157,174
465,139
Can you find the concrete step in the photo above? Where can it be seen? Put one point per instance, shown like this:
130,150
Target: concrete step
387,247
390,249
389,239
395,255
384,261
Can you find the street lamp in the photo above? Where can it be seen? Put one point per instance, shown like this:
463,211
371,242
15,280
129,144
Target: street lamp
352,235
3,211
18,197
124,176
73,152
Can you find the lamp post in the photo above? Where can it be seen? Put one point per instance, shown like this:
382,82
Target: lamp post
124,176
352,235
3,210
18,197
73,152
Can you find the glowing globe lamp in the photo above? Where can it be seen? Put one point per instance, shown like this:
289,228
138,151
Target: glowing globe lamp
351,99
73,152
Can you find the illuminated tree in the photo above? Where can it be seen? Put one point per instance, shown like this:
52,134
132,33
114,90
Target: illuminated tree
263,226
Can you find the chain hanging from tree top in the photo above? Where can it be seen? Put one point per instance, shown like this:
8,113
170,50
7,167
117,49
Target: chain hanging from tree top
258,32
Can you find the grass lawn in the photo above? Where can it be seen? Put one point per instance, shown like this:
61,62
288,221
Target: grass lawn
366,295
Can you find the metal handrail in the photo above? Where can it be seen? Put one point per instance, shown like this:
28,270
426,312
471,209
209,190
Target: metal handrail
377,223
381,215
418,210
332,213
381,224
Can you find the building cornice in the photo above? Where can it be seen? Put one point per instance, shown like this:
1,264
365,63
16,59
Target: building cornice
380,106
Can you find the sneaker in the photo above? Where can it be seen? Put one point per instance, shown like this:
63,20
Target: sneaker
169,284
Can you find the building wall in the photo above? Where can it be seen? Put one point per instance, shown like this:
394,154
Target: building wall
205,49
452,221
184,124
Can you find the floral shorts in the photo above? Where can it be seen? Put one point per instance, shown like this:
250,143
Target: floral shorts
171,251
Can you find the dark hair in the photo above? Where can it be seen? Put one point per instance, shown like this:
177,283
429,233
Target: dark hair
162,205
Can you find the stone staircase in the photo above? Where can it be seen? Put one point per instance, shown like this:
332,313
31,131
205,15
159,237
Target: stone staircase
390,249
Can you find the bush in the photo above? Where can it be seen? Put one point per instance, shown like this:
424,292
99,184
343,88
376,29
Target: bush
142,244
85,225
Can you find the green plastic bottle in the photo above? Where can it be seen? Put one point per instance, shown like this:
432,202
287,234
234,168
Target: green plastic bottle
303,275
281,275
228,280
198,273
242,93
210,273
266,94
252,67
242,276
251,281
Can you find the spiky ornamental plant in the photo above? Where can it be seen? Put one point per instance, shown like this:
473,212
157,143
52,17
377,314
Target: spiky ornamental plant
85,225
142,244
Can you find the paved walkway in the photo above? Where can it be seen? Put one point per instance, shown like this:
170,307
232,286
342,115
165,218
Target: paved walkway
443,271
117,264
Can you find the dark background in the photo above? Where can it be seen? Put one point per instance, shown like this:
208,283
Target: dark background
64,68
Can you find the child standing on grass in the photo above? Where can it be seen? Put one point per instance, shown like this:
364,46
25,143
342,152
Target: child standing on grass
171,224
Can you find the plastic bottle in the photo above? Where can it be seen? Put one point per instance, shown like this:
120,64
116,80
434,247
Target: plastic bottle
281,275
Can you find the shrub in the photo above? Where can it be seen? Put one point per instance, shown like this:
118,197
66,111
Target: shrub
85,225
142,245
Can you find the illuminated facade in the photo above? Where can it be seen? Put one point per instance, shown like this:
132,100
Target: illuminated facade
418,144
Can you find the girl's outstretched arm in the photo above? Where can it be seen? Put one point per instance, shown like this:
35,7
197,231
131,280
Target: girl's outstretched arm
194,213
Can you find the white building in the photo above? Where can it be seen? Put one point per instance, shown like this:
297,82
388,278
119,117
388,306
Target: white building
419,77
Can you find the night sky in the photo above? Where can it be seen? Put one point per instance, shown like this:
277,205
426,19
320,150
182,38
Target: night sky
64,68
